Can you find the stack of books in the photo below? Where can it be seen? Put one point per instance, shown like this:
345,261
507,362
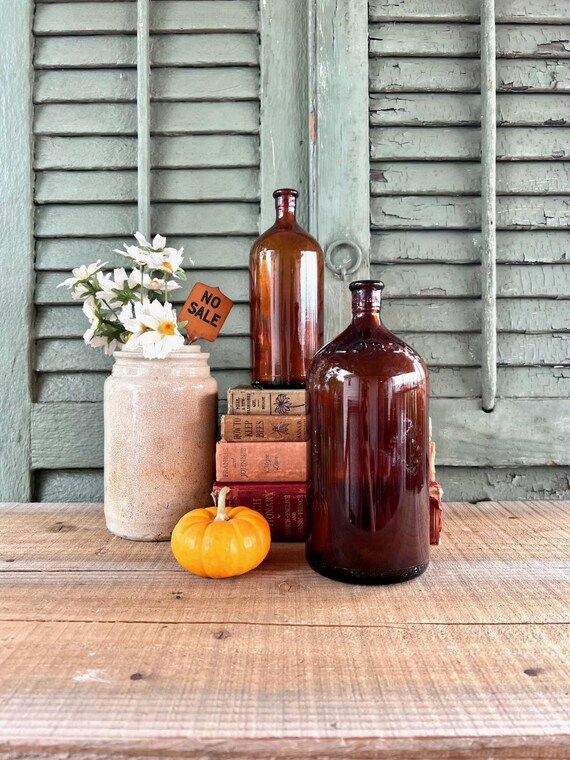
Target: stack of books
263,457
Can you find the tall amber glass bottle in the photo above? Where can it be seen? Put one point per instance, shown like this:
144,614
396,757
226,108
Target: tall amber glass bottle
286,296
368,396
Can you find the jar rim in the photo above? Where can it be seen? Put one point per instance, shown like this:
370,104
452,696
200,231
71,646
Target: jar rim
183,354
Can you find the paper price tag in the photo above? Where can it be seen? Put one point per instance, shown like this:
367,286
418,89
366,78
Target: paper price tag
205,312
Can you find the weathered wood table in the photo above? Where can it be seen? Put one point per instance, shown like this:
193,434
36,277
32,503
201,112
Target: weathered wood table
109,650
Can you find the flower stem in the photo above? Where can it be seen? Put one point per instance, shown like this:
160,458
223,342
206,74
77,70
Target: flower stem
142,283
221,513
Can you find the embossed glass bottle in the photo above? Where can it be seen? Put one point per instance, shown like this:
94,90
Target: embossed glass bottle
368,397
286,297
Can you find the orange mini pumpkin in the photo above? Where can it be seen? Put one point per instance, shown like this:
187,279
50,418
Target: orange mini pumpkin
215,542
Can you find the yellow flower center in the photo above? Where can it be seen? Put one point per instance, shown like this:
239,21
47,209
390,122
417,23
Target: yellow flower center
167,328
167,265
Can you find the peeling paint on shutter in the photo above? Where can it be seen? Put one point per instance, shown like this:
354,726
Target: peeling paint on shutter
425,138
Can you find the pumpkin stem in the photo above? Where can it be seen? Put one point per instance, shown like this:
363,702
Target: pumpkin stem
221,513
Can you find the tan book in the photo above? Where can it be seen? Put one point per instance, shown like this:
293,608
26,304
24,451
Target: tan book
279,402
264,427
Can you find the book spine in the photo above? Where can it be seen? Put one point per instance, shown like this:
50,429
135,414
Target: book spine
264,402
283,506
263,462
259,427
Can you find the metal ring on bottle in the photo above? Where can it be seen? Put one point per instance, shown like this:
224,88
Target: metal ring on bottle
347,266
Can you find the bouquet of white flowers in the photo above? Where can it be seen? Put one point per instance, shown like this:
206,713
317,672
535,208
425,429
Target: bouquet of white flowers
132,309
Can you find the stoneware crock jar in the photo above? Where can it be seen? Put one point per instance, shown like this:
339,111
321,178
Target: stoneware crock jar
160,432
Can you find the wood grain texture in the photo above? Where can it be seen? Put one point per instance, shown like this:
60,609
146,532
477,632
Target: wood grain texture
463,40
112,677
63,18
443,109
338,150
464,433
482,569
16,233
509,11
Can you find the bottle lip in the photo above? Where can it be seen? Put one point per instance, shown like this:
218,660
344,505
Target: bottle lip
285,191
366,285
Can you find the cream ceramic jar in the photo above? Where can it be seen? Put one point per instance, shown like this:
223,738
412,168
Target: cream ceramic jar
160,435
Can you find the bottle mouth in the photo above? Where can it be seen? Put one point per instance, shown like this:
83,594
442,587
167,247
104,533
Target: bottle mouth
285,191
366,285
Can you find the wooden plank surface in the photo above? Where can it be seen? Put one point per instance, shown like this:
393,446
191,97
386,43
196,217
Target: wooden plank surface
311,668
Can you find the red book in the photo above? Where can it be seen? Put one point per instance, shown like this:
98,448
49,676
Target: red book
262,462
284,506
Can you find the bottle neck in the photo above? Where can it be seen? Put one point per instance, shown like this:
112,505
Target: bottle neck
286,208
366,304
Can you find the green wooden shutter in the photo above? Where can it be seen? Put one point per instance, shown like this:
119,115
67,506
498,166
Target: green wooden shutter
204,190
425,208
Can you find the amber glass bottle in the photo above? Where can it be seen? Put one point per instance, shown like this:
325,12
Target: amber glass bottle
368,397
286,296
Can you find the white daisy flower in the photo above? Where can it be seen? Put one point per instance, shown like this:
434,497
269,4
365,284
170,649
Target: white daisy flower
96,341
80,278
158,242
153,327
169,260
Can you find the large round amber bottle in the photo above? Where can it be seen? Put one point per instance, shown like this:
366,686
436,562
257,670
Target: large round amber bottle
368,398
286,297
